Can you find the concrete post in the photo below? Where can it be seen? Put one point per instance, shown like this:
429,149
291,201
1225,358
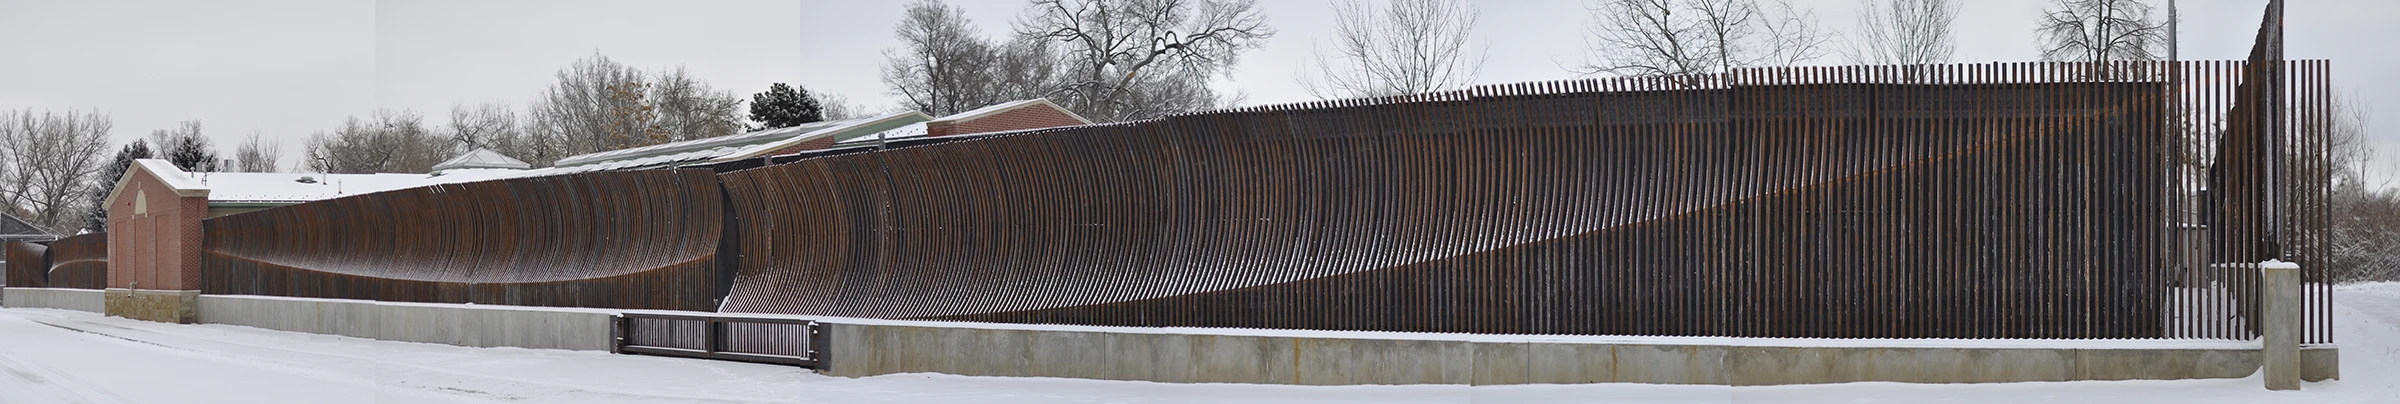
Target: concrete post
2279,323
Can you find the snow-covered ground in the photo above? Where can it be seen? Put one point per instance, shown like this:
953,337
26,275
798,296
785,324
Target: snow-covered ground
53,356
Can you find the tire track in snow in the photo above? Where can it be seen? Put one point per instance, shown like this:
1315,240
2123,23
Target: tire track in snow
29,382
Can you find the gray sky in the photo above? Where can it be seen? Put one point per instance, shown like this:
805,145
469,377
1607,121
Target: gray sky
286,69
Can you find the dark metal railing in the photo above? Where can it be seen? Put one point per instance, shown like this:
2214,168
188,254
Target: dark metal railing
796,342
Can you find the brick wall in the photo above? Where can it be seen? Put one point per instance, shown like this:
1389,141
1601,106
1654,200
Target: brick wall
154,237
1035,116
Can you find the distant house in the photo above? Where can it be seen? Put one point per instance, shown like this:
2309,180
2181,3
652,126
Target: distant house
15,229
481,159
1010,116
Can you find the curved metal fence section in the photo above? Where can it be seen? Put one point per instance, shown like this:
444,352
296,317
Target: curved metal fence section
28,264
633,239
79,262
1970,201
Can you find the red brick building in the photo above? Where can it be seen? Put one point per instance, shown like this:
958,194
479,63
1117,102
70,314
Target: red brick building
154,243
154,231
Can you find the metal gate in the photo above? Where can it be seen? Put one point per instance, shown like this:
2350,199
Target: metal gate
787,341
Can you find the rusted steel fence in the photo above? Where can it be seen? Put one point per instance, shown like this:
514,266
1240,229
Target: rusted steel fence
1967,201
634,239
79,262
28,264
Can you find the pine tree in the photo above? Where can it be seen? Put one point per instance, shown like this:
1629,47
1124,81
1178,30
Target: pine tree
108,180
784,106
186,147
192,153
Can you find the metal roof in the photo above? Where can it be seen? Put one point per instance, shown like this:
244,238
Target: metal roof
730,145
12,227
481,158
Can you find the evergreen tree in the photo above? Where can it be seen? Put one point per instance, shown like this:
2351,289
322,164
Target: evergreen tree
784,106
193,153
108,181
186,147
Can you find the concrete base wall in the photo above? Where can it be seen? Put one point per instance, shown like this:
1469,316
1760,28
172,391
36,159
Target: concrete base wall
861,349
165,306
46,298
452,324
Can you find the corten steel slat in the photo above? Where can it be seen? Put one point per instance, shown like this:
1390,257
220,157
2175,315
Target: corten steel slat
28,264
1658,201
77,262
2317,179
401,245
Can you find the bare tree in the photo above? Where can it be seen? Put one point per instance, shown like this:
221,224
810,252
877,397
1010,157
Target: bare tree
2101,31
596,105
487,126
1904,32
1025,67
1677,37
1135,59
385,142
2364,243
688,109
51,162
1407,47
258,155
943,64
838,107
1791,36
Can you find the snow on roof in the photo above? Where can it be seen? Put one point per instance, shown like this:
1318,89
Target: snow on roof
289,187
730,143
910,131
481,158
910,117
997,108
166,172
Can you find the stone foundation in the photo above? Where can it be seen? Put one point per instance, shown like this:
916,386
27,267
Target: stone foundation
165,306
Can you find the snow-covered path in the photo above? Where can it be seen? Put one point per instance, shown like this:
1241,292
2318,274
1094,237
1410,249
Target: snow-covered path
52,356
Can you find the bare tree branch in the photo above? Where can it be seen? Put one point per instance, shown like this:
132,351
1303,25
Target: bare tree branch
258,155
1679,37
1135,59
2101,31
1408,47
1904,32
52,159
385,142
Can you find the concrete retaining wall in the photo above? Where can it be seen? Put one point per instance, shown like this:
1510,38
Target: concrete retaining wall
48,298
866,348
874,347
462,325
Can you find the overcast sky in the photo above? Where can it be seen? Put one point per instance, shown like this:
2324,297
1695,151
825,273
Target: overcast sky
286,69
